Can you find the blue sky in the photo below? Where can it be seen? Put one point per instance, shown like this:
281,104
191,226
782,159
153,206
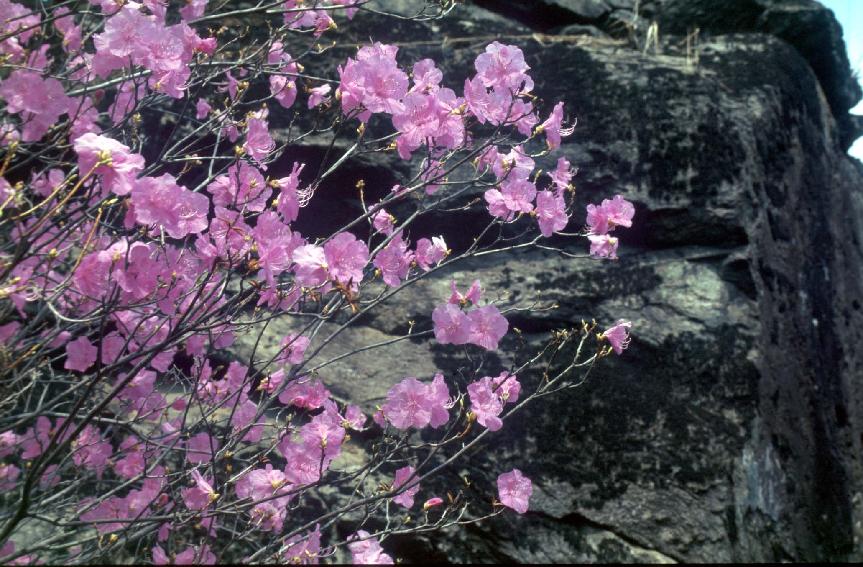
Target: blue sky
850,15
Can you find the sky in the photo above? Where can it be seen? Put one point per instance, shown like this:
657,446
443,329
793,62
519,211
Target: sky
850,16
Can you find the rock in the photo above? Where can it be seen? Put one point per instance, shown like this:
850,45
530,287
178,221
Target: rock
731,428
805,24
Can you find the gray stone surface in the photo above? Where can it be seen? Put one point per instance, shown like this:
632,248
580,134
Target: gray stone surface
731,428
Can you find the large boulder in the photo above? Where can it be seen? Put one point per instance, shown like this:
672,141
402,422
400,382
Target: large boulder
731,428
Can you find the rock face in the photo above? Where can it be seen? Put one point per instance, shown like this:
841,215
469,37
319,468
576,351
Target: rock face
731,428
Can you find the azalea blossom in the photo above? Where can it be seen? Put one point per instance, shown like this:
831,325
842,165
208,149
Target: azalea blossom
550,213
487,327
161,202
80,355
430,253
346,257
410,403
472,295
406,498
603,246
119,168
618,335
514,490
317,95
366,550
201,495
259,144
611,213
451,325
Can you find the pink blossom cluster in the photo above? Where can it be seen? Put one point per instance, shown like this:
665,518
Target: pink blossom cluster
514,490
38,102
488,395
481,326
412,403
517,194
147,271
602,220
367,550
130,36
300,16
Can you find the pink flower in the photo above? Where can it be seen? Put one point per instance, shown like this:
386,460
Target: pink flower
507,387
430,253
432,502
366,550
295,347
503,66
39,101
8,331
305,394
311,265
429,119
485,404
514,165
514,490
318,94
354,418
383,222
201,448
242,187
303,549
195,556
276,244
610,214
160,201
552,127
597,219
306,462
346,257
199,496
451,325
394,261
283,90
193,9
159,556
8,477
320,20
406,498
80,355
372,82
325,431
138,275
202,109
562,175
259,484
118,174
619,212
550,212
514,196
487,327
66,26
91,451
244,415
618,335
473,294
9,443
410,403
426,76
259,143
488,396
603,246
287,204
